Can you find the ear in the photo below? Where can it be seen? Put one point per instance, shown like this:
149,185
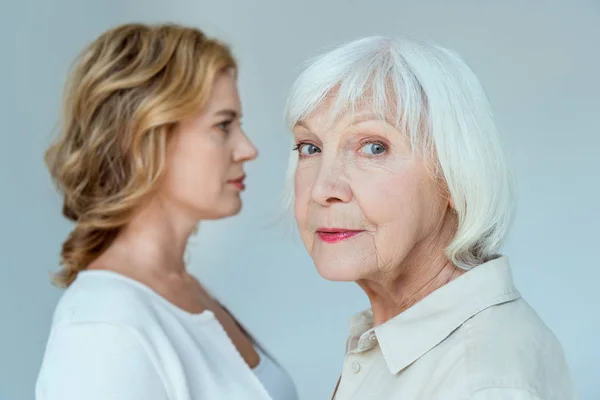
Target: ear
451,203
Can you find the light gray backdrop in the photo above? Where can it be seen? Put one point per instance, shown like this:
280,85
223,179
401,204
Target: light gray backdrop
540,64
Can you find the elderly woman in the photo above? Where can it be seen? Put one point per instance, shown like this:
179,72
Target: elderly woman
401,185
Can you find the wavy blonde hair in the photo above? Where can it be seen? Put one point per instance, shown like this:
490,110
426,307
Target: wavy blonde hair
126,92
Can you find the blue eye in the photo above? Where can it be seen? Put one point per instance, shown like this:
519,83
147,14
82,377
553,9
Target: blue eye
374,148
224,126
306,149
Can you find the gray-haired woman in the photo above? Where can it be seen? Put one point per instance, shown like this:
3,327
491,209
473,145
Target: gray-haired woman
401,185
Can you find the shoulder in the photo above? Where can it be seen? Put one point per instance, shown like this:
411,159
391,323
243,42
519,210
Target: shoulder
512,325
509,348
98,360
105,297
102,327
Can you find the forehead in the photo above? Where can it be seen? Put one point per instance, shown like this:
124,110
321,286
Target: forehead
224,92
330,116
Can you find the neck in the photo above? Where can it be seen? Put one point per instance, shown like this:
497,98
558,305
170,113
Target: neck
425,270
152,244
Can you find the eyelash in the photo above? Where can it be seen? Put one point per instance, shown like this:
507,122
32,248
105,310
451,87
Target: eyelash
378,142
224,126
298,146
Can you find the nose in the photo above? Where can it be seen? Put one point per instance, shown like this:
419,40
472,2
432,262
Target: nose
331,186
244,150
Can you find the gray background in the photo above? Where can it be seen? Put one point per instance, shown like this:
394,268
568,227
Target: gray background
539,62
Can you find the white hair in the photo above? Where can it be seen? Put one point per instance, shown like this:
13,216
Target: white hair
439,104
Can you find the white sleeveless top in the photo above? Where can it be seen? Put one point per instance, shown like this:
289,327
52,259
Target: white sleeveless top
114,338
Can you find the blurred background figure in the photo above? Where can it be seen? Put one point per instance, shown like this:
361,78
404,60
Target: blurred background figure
151,143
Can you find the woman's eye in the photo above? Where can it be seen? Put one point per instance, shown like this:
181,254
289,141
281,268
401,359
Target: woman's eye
307,149
374,148
224,126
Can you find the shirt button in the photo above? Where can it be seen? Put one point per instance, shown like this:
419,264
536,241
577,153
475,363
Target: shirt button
355,367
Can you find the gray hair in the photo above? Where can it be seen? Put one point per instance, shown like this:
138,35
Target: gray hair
439,104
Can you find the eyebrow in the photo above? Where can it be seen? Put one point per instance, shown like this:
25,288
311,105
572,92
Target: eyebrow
233,114
366,117
363,117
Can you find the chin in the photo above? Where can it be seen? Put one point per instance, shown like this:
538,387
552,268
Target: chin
234,211
341,262
231,211
225,209
336,271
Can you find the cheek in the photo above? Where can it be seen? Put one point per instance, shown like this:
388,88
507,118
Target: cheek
205,166
392,204
197,169
387,196
304,179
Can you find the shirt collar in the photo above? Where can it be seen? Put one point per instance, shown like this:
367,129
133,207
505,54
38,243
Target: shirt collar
408,336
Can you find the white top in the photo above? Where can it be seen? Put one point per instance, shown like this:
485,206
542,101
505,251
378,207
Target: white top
273,377
113,338
473,339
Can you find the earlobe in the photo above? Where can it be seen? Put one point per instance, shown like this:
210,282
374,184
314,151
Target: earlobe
451,203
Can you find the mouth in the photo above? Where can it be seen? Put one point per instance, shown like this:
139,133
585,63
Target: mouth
335,235
238,183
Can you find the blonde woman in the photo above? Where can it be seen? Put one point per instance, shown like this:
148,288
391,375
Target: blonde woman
150,145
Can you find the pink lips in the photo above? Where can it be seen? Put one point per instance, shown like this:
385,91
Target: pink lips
336,235
238,183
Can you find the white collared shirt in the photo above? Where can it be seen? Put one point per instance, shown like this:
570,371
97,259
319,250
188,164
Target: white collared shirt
474,338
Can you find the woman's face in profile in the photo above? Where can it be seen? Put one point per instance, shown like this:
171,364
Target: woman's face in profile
206,155
363,200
